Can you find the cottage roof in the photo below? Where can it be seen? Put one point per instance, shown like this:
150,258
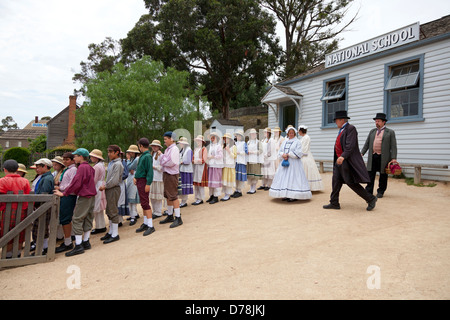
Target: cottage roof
427,30
226,122
21,134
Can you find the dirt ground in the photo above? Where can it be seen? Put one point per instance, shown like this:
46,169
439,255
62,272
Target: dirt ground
257,247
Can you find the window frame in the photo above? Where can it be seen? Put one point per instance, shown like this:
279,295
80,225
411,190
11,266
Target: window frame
325,102
388,92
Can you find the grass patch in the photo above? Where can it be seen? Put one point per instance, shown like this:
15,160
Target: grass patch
410,182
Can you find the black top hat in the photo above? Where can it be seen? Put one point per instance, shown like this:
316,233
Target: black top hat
381,116
341,114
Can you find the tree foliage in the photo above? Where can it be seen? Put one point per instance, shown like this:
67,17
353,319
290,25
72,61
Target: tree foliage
8,123
102,57
227,45
125,104
311,29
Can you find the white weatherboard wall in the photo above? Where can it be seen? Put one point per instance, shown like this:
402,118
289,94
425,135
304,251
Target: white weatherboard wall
425,142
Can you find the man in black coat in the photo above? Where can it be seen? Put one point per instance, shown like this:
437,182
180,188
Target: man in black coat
382,146
349,167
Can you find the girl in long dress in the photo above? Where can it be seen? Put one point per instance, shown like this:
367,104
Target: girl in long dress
309,164
200,170
186,171
215,165
132,155
290,182
268,167
278,139
255,159
229,164
241,163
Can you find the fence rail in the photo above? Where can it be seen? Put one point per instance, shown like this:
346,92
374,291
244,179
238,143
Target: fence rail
49,205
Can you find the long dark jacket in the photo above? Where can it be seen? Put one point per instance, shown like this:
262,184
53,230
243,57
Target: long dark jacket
388,147
353,169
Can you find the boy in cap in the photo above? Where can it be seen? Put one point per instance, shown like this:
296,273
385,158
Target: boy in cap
45,185
143,180
170,162
83,186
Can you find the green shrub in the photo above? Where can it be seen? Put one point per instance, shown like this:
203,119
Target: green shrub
21,155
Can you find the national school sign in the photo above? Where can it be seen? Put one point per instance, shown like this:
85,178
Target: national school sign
387,41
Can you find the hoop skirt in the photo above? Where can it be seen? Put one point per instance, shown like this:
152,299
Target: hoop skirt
290,181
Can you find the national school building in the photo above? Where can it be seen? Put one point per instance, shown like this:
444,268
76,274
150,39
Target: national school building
404,74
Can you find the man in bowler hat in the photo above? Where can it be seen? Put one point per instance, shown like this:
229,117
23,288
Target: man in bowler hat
349,167
382,146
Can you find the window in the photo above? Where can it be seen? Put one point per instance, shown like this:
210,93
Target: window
403,90
334,98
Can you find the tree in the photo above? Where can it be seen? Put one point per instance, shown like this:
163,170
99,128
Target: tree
102,57
311,30
38,145
8,123
227,45
143,100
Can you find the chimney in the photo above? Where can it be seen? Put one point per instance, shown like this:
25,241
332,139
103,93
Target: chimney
36,119
71,132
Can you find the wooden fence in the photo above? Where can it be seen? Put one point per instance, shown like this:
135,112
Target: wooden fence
48,203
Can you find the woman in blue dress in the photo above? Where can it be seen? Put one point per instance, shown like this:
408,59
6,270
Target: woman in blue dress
290,182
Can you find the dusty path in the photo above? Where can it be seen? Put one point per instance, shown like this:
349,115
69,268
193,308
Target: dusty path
256,247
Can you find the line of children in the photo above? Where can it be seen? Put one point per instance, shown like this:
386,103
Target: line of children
226,164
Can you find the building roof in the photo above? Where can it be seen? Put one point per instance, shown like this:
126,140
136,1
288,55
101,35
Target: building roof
42,125
225,122
21,134
427,30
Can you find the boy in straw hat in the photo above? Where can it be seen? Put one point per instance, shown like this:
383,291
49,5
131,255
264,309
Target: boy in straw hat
200,170
170,162
83,186
186,171
241,163
100,198
143,180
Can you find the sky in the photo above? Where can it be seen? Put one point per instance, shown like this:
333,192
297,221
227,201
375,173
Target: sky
43,42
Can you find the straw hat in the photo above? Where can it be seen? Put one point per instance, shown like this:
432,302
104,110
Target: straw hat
96,153
252,130
200,138
267,130
227,135
58,159
214,134
277,129
156,143
239,132
183,140
22,168
133,148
